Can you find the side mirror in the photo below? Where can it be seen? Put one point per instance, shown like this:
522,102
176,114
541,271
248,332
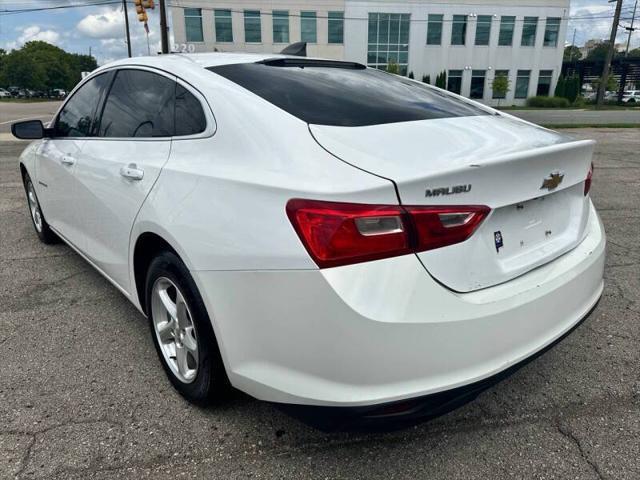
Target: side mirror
29,130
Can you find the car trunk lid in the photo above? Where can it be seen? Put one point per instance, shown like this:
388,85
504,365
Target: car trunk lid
531,178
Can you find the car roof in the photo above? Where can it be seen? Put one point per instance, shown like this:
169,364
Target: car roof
203,60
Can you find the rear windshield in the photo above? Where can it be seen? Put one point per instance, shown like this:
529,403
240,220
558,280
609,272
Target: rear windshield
353,96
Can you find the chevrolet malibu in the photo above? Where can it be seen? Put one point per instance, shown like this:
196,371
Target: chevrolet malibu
351,245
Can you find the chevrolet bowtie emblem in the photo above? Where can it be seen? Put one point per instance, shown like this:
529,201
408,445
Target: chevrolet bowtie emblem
552,181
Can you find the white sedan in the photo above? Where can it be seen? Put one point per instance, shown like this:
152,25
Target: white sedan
349,244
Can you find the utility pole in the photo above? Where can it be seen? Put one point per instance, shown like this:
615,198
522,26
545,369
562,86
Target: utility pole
126,26
573,44
631,29
164,38
612,45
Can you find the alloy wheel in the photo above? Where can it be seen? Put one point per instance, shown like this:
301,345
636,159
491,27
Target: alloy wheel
175,330
34,207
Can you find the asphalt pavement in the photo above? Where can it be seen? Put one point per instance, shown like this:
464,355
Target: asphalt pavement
579,117
15,111
83,396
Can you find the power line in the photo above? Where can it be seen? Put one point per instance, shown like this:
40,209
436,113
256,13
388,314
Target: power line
59,7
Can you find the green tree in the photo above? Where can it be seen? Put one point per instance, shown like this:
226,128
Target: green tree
411,75
80,63
634,53
393,67
500,86
3,56
23,71
441,80
572,53
612,83
41,66
599,52
560,87
54,63
426,79
573,88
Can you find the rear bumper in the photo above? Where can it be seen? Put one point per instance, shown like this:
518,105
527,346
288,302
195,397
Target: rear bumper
385,331
404,413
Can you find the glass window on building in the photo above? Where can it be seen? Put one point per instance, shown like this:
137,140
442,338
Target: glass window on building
507,25
252,26
224,30
477,83
388,40
483,29
308,27
280,26
193,24
544,83
551,32
500,73
459,30
454,81
529,28
336,27
522,84
434,29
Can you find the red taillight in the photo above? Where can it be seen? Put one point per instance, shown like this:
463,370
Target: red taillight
344,233
587,182
441,226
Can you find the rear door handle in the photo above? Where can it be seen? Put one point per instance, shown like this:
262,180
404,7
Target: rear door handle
132,172
68,160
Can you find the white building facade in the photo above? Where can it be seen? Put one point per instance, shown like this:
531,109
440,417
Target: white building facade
472,41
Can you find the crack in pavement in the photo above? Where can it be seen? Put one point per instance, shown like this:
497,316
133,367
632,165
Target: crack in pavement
27,456
567,433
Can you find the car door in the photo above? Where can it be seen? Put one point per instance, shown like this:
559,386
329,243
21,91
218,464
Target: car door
57,157
120,165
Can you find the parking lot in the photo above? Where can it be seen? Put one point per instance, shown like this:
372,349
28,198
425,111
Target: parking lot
82,394
13,111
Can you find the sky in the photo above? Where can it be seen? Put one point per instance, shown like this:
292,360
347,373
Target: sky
101,28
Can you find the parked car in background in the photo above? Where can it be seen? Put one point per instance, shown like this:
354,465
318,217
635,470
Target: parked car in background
58,93
14,91
631,96
5,93
322,235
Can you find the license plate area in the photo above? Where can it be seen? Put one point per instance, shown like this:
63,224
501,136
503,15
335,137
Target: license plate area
538,228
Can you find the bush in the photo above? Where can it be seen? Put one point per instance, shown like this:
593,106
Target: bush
548,102
426,79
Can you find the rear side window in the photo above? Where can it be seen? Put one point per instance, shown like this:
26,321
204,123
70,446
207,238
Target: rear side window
328,93
140,104
190,118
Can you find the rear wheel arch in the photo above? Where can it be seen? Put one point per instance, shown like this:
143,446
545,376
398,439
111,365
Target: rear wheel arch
23,171
147,247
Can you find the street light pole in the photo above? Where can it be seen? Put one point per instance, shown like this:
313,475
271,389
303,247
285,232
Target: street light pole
126,26
612,45
631,29
164,38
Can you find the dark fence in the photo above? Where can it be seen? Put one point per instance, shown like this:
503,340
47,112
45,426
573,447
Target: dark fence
626,71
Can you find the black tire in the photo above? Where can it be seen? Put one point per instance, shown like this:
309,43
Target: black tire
45,234
210,384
